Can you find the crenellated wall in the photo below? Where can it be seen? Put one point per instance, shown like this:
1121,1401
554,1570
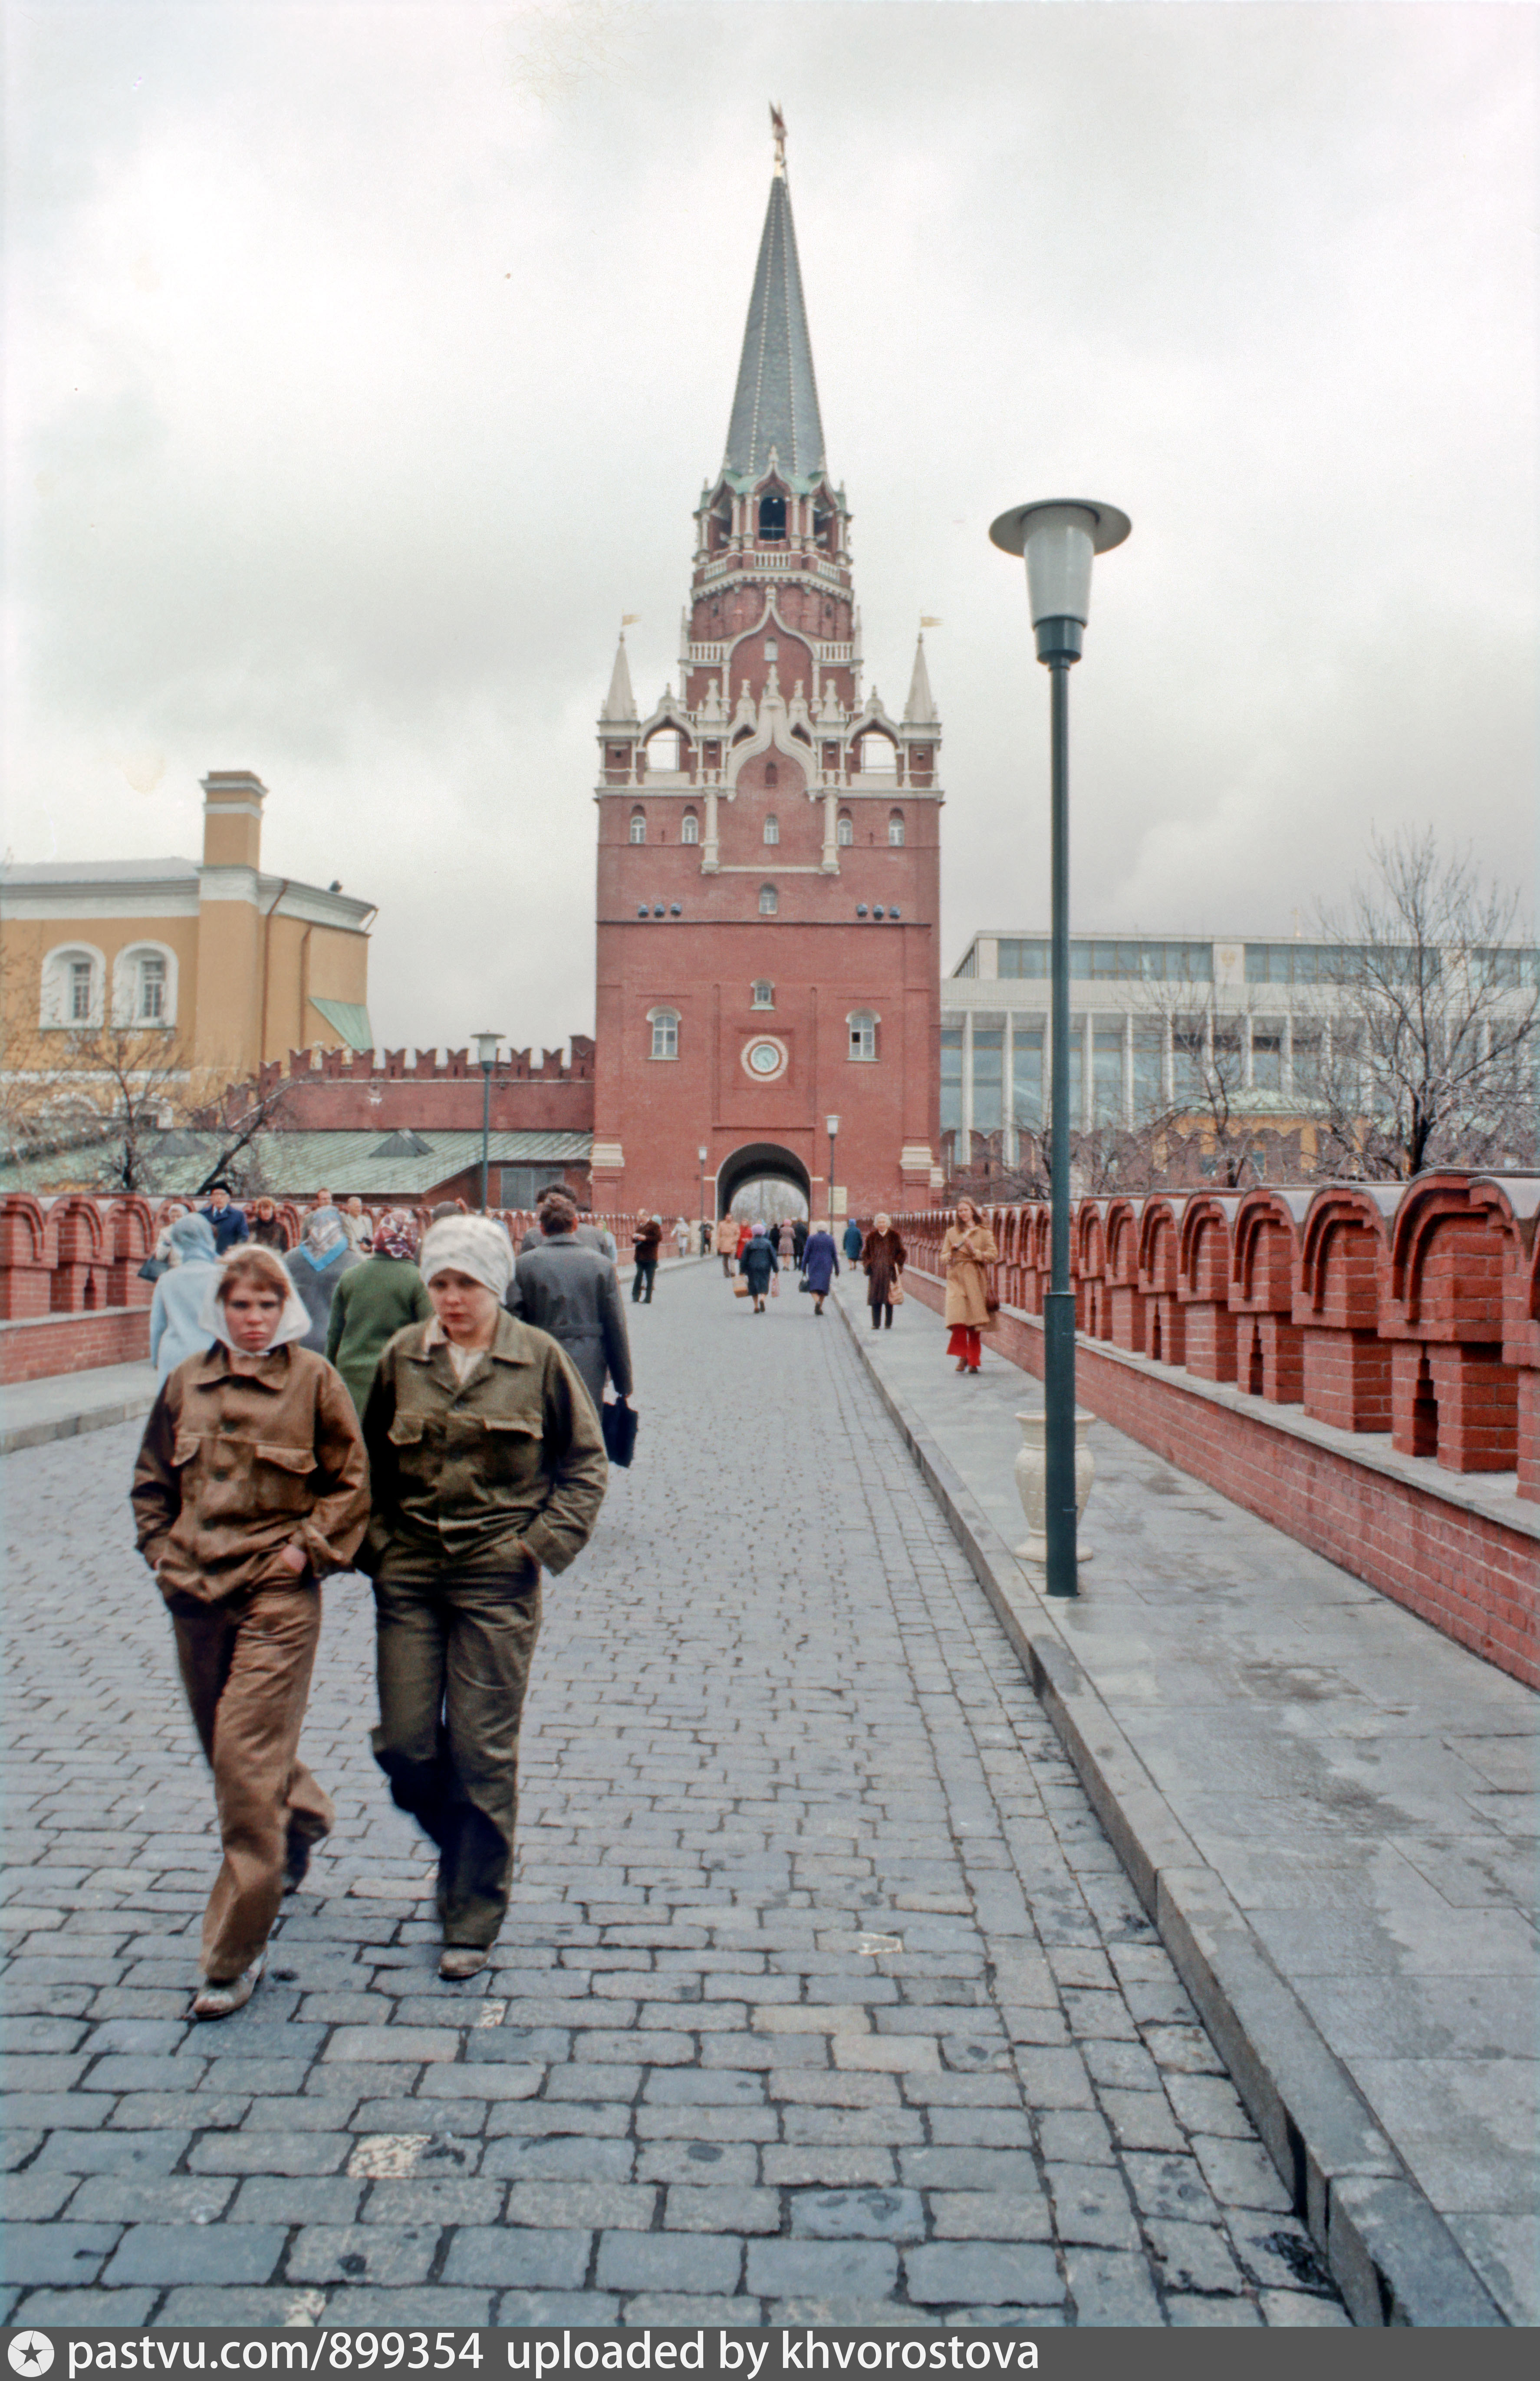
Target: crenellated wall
70,1293
1358,1363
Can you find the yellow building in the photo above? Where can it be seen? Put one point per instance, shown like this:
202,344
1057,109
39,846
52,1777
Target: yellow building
236,965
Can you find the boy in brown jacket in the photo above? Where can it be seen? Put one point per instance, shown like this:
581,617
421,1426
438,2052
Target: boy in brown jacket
251,1485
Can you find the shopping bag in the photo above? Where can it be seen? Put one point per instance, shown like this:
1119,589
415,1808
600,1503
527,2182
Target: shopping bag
896,1295
775,1285
740,1285
619,1426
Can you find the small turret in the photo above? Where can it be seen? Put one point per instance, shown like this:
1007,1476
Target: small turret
619,703
920,710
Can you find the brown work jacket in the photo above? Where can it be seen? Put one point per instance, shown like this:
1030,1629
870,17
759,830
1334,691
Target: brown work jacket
233,1467
487,1475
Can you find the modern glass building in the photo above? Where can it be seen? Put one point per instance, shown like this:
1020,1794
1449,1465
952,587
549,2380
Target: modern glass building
1147,1012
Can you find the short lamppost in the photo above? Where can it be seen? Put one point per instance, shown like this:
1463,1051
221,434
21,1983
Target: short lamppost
703,1154
833,1123
1059,540
486,1052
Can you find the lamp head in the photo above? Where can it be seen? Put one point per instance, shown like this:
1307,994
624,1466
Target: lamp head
1060,539
703,1154
486,1047
833,1123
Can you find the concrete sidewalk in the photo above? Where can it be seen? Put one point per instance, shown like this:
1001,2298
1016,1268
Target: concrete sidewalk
1328,1808
65,1404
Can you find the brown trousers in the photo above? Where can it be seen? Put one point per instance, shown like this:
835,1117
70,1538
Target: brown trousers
453,1657
246,1665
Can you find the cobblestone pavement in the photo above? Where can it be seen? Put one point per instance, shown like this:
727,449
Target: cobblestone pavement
823,1996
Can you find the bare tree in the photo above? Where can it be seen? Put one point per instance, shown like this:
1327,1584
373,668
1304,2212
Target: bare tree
1425,1046
1209,1116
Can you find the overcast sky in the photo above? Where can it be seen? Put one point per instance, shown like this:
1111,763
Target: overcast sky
366,362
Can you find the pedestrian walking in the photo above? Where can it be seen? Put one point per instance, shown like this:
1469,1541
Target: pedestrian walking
177,1308
358,1224
373,1301
882,1257
229,1223
724,1242
251,1485
487,1462
645,1243
266,1227
820,1263
853,1240
799,1229
316,1266
967,1254
757,1264
570,1291
785,1243
681,1238
163,1254
588,1234
746,1231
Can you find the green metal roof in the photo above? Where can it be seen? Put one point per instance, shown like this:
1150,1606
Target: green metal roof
297,1164
349,1018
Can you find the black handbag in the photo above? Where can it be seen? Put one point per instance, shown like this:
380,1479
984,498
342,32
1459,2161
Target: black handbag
619,1427
152,1268
804,1283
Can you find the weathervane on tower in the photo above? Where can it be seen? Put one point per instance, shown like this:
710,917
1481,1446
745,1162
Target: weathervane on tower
777,126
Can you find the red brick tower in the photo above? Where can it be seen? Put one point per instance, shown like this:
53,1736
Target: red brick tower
769,847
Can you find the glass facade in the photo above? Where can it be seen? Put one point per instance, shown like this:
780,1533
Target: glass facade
989,1048
1107,1082
1136,962
1149,1087
1026,1073
951,1079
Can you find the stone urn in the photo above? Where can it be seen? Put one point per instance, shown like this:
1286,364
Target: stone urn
1031,1482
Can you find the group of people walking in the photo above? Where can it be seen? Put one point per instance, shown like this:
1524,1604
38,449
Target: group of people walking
762,1252
429,1415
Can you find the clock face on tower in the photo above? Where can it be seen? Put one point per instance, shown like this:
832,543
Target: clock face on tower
764,1059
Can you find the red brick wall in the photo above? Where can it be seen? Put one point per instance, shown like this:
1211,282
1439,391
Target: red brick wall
1468,1575
74,1343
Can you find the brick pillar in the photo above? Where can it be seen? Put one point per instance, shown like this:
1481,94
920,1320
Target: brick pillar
1347,1379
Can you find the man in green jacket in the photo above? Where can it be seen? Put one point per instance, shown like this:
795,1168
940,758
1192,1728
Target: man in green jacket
486,1463
373,1302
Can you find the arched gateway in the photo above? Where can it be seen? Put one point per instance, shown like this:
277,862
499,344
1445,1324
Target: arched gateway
769,844
759,1161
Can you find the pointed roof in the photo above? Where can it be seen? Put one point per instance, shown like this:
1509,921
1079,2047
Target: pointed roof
619,703
920,710
775,403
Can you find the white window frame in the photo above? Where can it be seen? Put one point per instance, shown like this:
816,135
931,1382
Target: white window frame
844,831
664,1023
638,820
896,829
762,985
127,985
690,828
57,985
772,829
862,1048
769,901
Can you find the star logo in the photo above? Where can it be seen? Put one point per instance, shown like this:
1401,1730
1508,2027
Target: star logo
30,2352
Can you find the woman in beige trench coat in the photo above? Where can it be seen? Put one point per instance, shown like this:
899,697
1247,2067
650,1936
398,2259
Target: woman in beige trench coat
967,1252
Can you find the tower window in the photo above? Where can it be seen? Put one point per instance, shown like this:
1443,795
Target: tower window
863,1033
875,757
895,827
772,519
664,750
765,995
769,900
772,829
690,830
845,831
665,1033
639,826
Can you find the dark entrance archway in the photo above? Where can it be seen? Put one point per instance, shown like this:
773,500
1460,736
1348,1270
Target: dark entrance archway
760,1161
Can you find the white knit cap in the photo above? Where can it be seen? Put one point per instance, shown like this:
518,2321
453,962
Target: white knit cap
470,1244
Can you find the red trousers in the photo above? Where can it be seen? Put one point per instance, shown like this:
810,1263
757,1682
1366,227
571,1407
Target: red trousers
966,1344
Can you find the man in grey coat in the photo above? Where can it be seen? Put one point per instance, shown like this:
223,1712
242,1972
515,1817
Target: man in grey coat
587,1235
573,1292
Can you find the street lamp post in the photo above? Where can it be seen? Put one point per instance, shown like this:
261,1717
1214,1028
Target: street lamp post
1059,540
486,1052
703,1154
833,1123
